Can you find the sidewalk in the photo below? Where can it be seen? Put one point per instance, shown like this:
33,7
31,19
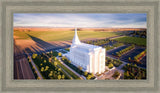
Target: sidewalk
38,73
71,69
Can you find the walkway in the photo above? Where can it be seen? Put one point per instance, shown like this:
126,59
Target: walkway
71,69
38,73
65,71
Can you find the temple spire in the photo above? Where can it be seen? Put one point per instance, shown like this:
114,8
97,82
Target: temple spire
75,38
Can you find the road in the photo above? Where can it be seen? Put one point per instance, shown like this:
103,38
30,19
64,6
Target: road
38,73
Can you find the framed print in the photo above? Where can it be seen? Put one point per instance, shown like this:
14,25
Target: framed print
80,46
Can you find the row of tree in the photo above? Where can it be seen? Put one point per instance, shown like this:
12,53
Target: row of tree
77,69
48,67
99,42
138,57
120,53
117,44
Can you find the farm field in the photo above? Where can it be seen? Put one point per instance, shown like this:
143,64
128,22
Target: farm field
79,46
38,41
45,41
132,40
62,35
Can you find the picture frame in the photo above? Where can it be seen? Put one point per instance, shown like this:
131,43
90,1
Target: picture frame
9,7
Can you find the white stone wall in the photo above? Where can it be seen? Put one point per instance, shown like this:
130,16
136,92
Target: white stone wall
92,61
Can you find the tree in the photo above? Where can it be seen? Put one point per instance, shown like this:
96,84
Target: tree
92,75
129,58
127,64
59,77
46,68
127,74
33,67
63,76
80,68
85,73
71,78
110,65
42,69
50,60
44,61
59,69
55,63
60,54
131,75
51,52
89,77
111,60
55,58
50,74
29,60
34,56
38,78
135,65
69,61
116,74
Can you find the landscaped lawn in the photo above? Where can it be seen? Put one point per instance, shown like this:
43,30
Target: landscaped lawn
68,71
132,40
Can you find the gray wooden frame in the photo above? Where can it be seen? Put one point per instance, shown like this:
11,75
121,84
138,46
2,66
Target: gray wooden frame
8,7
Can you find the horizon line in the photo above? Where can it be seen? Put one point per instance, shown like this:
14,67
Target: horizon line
74,27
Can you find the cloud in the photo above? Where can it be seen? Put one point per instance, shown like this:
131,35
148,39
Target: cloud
80,20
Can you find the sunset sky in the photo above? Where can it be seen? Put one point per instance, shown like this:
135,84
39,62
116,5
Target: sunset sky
115,20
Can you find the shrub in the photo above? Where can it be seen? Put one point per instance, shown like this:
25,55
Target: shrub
34,56
60,54
116,74
110,66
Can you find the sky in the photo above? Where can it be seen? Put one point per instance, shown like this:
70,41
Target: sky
108,20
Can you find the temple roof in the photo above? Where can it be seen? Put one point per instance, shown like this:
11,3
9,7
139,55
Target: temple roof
75,38
82,46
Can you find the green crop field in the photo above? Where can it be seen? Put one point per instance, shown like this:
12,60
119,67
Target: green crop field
62,35
132,40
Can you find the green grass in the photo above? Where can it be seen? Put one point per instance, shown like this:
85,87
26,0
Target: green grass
68,71
62,35
132,40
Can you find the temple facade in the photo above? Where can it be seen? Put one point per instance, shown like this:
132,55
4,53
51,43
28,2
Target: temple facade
90,57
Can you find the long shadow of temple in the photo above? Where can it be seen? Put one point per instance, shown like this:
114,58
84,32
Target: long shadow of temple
43,44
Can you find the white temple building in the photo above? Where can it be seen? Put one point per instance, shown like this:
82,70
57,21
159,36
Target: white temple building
90,57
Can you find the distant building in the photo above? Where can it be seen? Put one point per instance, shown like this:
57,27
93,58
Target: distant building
90,57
